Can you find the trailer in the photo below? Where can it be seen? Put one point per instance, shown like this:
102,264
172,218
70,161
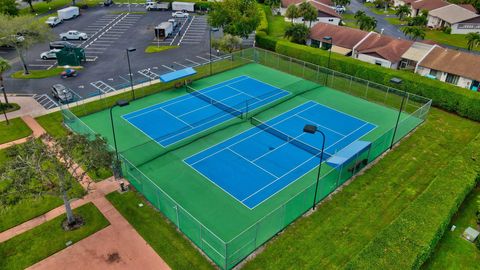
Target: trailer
163,30
68,13
183,6
157,6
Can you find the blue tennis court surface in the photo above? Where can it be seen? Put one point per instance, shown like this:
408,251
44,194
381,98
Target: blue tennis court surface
263,160
174,120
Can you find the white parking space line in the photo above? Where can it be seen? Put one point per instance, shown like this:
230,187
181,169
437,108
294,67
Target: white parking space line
180,64
202,58
196,63
104,41
214,56
169,68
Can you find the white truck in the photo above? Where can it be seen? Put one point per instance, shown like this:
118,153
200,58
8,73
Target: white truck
183,6
68,13
157,6
73,34
163,30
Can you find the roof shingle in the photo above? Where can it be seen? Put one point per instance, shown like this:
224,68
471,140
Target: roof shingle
455,62
342,36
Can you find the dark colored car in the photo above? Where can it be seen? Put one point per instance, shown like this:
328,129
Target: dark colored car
61,44
62,93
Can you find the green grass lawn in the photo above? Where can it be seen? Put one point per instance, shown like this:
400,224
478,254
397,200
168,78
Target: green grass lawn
45,7
395,21
343,226
10,107
349,21
157,49
159,233
40,242
52,123
456,40
380,11
17,129
38,74
454,252
276,24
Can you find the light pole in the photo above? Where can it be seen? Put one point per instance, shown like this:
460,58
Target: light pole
129,50
119,103
210,42
312,130
4,112
398,81
328,38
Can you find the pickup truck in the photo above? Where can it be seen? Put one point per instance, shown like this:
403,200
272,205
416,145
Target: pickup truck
73,34
53,21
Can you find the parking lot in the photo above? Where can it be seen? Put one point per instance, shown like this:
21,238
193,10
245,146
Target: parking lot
110,33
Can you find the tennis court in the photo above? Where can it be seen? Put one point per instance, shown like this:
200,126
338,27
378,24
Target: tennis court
259,162
174,120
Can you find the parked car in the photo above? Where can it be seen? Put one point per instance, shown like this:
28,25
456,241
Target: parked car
340,9
107,3
52,54
73,34
62,93
179,14
53,21
61,44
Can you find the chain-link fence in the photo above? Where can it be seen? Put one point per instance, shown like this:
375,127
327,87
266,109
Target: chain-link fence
412,111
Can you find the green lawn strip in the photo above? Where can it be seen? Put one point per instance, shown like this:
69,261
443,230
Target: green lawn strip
453,251
10,107
276,24
15,130
48,238
159,233
343,226
456,40
157,49
410,239
45,7
380,11
395,21
38,74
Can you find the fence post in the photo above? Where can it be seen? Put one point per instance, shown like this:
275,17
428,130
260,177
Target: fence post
350,85
366,90
386,94
303,72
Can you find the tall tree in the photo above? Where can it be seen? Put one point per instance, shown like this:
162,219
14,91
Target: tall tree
227,43
341,2
402,12
8,7
273,4
236,17
414,32
22,32
35,170
473,40
297,33
308,12
418,21
4,66
292,12
29,2
359,14
366,23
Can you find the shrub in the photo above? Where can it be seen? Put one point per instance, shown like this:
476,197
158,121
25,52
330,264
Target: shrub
448,97
265,41
478,210
203,5
410,239
447,30
263,26
477,242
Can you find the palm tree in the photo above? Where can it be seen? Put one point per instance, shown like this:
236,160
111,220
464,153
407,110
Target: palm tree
297,33
359,14
367,23
292,12
414,32
4,66
402,12
308,12
473,40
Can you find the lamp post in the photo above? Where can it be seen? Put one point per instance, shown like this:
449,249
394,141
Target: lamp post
129,50
328,38
4,112
398,81
119,103
210,42
312,130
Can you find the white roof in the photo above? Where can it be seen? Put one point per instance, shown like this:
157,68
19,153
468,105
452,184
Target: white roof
453,14
417,51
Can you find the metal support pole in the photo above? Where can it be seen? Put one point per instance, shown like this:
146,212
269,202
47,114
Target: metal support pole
210,42
113,131
319,169
398,119
4,112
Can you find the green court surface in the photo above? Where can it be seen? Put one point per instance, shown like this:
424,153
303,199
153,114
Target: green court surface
223,228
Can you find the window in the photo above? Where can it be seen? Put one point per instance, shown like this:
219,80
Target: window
378,63
435,73
451,78
315,43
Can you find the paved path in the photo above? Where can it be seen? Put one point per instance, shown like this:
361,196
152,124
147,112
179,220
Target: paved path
28,106
117,246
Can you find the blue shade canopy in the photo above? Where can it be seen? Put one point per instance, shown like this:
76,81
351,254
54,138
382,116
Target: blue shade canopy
177,74
346,154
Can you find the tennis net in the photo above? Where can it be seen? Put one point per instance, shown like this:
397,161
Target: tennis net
270,129
214,102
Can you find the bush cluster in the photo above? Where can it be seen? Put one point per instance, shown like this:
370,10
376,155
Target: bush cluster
410,239
462,101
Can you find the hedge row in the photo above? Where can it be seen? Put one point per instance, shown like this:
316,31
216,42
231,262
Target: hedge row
451,98
410,239
263,26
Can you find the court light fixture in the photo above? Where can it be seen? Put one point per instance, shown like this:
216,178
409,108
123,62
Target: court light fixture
119,103
311,129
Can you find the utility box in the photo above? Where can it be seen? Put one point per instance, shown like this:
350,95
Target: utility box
163,30
69,56
183,6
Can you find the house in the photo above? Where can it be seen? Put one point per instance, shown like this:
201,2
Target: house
325,10
381,50
451,66
397,3
415,54
344,39
418,6
461,20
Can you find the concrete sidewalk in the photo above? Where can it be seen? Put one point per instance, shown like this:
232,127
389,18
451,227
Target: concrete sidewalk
28,106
